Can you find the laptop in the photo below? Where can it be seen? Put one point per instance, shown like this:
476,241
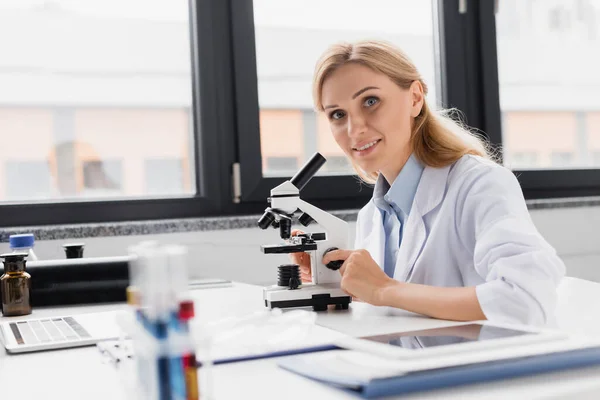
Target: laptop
59,332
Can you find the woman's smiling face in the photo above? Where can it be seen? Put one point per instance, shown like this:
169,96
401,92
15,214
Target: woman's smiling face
371,117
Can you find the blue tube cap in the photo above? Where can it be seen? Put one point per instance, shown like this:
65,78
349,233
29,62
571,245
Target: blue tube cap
24,240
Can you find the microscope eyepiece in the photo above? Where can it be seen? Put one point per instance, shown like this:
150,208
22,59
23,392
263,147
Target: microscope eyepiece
308,171
266,220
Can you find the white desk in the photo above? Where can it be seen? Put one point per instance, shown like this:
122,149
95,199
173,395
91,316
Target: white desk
79,373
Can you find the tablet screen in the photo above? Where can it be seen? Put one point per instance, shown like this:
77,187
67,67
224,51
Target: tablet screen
446,336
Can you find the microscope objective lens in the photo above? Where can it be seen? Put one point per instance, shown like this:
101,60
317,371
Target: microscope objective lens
285,228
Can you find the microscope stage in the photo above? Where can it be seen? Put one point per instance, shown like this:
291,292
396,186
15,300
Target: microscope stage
307,295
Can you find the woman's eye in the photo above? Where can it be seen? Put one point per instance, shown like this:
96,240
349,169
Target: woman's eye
371,101
337,115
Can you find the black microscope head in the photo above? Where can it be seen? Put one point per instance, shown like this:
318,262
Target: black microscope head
276,219
266,220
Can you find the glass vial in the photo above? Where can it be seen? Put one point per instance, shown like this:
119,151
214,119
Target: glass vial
15,285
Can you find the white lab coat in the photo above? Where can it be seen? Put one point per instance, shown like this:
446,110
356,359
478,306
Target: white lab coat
469,226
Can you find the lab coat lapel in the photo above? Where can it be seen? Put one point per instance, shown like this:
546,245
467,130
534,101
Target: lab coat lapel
375,241
413,239
430,193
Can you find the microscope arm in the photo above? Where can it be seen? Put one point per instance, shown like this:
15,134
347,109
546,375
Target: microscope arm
334,226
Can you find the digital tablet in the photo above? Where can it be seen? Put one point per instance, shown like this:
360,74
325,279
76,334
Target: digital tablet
447,340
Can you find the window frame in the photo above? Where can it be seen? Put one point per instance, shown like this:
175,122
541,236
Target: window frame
226,131
209,34
343,191
481,44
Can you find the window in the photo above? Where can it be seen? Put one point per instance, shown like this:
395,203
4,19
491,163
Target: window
283,166
543,109
562,159
282,137
559,19
124,110
285,40
102,177
26,180
104,86
510,25
596,159
541,133
87,82
536,96
285,71
523,159
592,126
164,176
541,104
338,165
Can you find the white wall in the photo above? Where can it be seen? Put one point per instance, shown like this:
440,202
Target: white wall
575,235
236,255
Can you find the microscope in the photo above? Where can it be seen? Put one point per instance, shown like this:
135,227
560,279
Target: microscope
325,286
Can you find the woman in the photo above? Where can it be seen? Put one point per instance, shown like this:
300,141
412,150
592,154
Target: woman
447,233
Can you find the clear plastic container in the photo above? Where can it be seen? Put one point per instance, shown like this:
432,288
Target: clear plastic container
23,244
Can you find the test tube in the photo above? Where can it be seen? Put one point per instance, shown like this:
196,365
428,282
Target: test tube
184,386
178,275
151,341
158,317
137,260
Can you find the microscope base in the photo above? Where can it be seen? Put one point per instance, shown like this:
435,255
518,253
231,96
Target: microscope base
316,296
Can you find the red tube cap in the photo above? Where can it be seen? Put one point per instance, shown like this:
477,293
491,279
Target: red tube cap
186,310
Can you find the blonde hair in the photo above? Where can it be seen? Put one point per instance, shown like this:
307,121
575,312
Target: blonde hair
436,139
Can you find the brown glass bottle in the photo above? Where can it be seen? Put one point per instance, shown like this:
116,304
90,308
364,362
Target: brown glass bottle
15,285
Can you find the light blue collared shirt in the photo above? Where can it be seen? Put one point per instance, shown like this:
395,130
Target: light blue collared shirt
395,203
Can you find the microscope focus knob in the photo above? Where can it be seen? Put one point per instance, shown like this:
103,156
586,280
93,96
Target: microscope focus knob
336,264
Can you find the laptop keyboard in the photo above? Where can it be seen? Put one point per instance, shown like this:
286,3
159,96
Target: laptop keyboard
48,331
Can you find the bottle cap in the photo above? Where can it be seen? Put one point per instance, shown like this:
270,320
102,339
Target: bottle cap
186,310
24,240
14,256
74,250
14,261
73,245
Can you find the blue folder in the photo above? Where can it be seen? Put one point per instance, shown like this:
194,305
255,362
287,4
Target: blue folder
281,353
449,376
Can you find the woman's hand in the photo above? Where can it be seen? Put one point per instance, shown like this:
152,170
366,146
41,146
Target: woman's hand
361,276
303,260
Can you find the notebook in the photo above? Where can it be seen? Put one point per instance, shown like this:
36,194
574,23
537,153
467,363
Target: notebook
419,381
370,375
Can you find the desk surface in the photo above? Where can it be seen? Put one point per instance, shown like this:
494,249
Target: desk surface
79,373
